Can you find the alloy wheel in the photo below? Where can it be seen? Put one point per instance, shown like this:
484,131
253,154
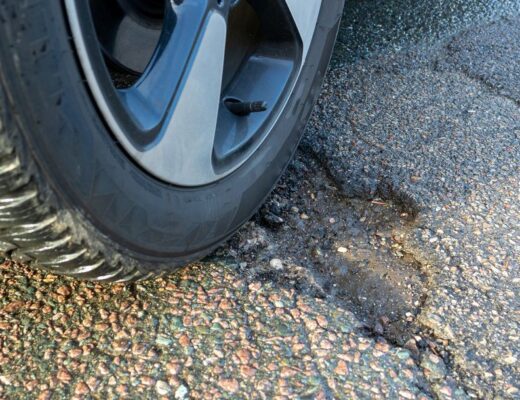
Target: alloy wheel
191,88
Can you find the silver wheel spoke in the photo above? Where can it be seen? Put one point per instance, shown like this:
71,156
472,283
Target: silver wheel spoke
184,152
153,95
305,16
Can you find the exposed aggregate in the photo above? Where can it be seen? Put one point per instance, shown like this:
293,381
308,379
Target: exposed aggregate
202,333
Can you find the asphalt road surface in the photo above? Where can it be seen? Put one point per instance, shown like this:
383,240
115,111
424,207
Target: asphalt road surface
385,265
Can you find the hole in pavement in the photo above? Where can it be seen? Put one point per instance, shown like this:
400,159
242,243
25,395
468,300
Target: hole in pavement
311,237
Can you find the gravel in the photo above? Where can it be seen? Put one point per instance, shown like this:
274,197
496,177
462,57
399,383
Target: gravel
226,336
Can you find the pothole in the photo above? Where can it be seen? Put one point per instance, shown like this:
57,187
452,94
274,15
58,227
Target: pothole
311,237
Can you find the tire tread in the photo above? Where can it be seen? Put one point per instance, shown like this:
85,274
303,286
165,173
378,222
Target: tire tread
30,228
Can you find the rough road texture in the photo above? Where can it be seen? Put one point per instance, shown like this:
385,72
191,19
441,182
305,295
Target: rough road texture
440,134
203,333
385,265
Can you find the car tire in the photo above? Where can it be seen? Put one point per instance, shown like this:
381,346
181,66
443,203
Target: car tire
74,202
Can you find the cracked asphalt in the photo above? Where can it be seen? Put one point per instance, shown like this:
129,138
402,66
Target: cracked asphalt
385,264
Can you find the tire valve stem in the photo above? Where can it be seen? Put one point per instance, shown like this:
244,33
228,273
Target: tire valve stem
244,108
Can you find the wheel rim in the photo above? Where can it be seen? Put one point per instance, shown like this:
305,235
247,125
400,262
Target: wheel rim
192,69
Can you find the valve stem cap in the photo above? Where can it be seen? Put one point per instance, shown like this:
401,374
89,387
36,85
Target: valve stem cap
242,108
257,106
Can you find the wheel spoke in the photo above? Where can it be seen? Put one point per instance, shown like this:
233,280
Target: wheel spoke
156,91
305,16
184,148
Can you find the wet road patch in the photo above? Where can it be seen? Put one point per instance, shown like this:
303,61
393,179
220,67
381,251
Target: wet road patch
347,250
